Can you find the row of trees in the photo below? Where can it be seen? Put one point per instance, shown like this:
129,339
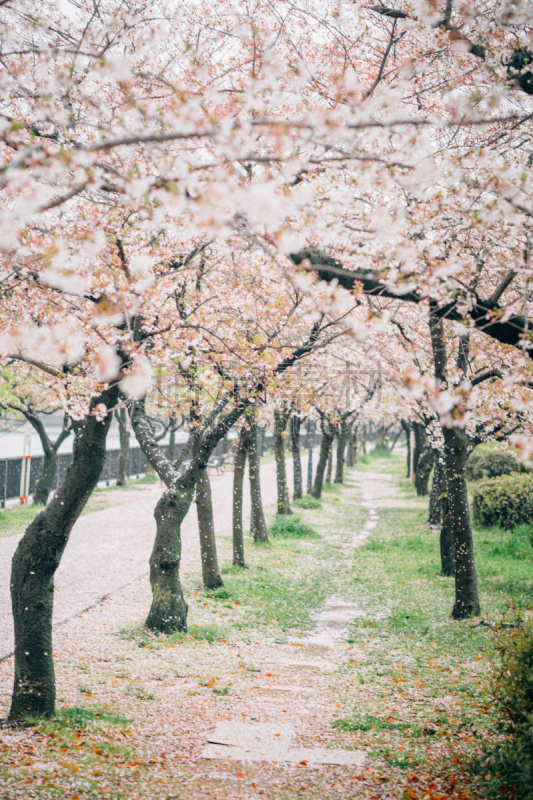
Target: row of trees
222,194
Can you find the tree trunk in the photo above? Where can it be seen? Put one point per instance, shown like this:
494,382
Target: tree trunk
344,434
425,465
466,590
446,541
325,445
407,428
36,560
46,477
330,463
172,441
208,546
438,489
296,423
124,455
280,424
45,481
420,444
350,452
260,532
168,612
238,481
310,443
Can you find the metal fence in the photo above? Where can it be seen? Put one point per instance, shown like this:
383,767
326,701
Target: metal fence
18,476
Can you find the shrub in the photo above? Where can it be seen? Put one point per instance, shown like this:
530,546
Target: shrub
505,502
511,764
308,502
291,526
491,465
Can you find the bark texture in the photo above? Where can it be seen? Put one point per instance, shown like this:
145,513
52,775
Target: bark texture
350,448
36,560
446,542
280,425
168,611
296,424
310,445
458,515
438,489
329,472
238,483
423,471
345,430
466,590
208,547
407,428
260,531
325,446
124,438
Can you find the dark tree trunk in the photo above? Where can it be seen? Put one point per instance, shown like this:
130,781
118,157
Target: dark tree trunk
396,437
296,423
310,444
342,441
45,481
350,450
420,444
208,546
425,465
46,477
124,455
172,441
280,424
438,490
330,464
458,515
168,612
36,560
407,428
260,532
238,482
446,541
325,445
466,590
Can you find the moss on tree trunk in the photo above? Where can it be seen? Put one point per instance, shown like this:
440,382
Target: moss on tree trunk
36,560
168,611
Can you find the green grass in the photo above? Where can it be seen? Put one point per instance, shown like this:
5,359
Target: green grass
14,521
291,525
307,502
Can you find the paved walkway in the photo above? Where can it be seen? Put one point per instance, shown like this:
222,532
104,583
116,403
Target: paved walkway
109,549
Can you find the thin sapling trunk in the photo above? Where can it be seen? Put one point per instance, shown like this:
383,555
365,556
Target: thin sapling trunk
260,531
124,438
238,482
280,424
296,423
208,548
325,445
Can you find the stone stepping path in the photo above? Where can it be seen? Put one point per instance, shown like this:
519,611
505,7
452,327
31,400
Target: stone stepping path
256,741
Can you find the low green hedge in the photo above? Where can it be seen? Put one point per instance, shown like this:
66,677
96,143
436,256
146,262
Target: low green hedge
505,502
491,465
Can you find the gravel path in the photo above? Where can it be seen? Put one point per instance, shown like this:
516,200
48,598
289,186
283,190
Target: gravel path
109,549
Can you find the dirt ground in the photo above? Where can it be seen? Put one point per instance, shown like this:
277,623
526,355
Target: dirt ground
271,681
